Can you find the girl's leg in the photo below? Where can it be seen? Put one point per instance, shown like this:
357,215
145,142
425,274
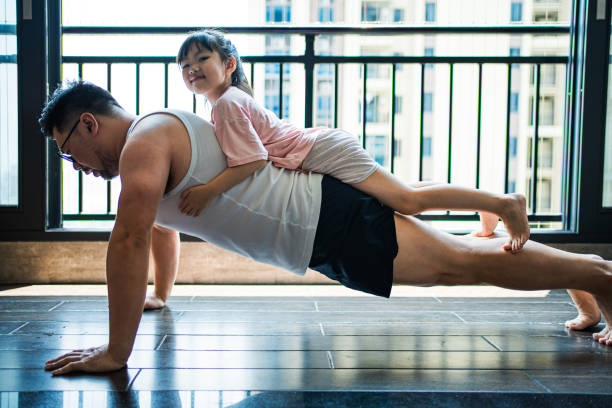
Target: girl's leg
588,312
408,200
430,257
488,221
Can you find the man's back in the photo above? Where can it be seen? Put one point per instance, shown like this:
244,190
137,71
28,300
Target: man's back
271,216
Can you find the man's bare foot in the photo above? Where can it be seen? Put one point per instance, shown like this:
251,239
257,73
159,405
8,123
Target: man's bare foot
488,222
153,302
588,312
515,219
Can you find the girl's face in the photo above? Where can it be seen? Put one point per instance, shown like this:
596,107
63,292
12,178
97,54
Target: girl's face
204,73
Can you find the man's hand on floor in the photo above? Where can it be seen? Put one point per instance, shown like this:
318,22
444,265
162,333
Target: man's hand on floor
91,360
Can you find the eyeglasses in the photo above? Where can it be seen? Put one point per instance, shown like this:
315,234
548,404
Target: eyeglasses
60,153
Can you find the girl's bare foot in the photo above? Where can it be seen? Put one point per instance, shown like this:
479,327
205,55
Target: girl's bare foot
515,219
488,222
153,302
604,301
588,311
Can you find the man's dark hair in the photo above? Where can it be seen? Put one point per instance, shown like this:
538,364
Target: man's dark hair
69,101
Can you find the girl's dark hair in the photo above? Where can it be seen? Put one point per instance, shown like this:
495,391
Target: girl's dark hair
214,40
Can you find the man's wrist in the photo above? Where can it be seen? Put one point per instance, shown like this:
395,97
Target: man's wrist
119,354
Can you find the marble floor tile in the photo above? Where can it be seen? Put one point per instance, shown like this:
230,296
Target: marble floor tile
310,317
386,343
452,360
41,380
68,341
327,379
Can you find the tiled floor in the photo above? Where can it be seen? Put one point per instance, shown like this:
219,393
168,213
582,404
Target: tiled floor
308,351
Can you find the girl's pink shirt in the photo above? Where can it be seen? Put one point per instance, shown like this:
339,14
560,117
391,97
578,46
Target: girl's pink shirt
248,132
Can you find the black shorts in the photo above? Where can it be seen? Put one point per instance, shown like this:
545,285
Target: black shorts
355,243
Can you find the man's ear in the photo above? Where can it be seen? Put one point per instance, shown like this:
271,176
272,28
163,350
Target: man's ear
90,122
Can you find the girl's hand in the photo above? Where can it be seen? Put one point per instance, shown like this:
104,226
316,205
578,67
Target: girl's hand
196,199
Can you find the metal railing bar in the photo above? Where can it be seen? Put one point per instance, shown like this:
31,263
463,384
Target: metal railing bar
330,30
478,127
166,86
309,64
327,59
138,88
430,217
535,149
80,68
450,125
253,77
280,90
89,217
336,95
364,106
393,107
421,137
508,101
108,182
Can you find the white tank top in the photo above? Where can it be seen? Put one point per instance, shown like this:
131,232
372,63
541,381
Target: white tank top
270,217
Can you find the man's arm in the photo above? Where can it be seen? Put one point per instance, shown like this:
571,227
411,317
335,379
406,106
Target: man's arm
144,169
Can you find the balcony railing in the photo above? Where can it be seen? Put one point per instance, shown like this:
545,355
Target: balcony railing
310,59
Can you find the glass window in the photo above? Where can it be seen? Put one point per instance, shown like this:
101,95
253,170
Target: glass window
430,11
512,147
427,102
516,11
9,152
607,175
326,14
427,146
511,186
547,111
370,12
515,52
398,15
514,102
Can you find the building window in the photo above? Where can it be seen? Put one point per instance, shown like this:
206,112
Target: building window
514,102
428,52
511,186
370,12
9,102
516,11
398,104
547,111
427,102
326,14
278,11
398,16
512,147
427,146
324,107
546,147
377,147
430,11
515,52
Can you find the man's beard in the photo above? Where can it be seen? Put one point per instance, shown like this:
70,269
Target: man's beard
110,166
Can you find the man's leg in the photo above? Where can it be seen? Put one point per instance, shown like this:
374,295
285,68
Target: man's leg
430,257
165,247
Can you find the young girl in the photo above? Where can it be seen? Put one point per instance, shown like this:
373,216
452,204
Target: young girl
250,135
